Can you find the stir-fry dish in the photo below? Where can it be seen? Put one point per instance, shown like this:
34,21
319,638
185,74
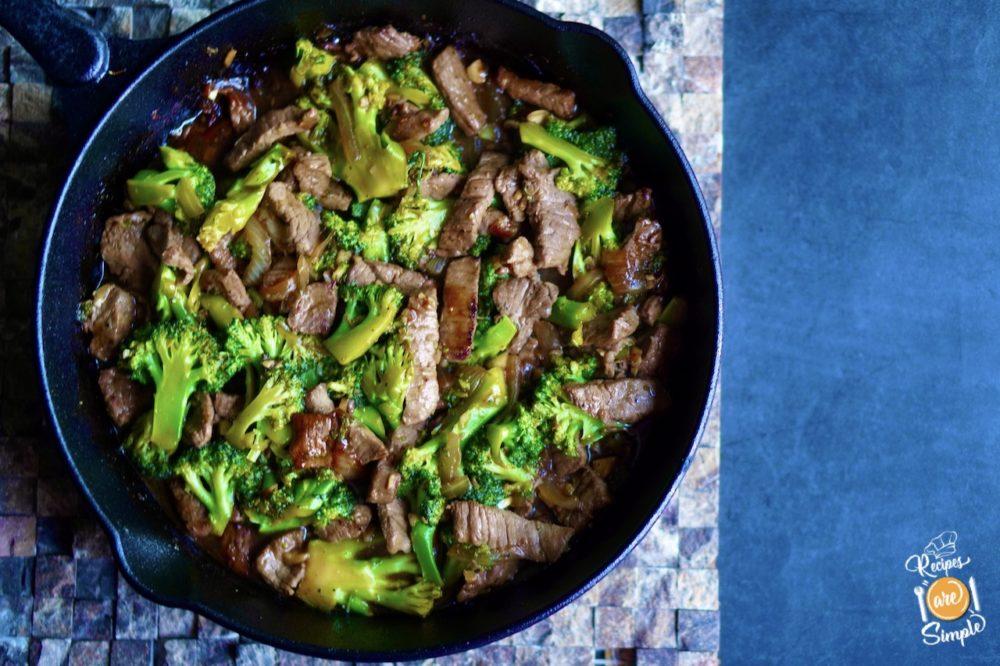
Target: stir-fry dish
380,323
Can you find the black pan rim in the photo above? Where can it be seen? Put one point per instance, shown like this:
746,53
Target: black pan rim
166,598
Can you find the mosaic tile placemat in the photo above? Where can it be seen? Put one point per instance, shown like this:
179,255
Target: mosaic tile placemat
61,597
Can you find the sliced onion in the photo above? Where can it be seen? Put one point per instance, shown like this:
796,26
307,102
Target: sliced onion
553,496
260,251
303,272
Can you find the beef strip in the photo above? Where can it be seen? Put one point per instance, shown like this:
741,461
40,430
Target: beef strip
552,212
266,131
508,533
654,351
499,225
315,176
237,542
590,493
240,105
311,445
420,335
557,465
404,437
346,528
314,308
369,272
409,123
279,281
609,330
617,400
318,400
229,284
508,186
518,258
384,484
303,223
125,251
282,563
199,420
440,185
549,96
651,309
112,315
395,528
221,255
364,445
525,302
460,308
381,43
629,207
192,512
451,77
465,222
124,398
628,268
226,406
174,248
475,583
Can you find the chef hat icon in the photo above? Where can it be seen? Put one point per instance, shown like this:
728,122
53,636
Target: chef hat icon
942,545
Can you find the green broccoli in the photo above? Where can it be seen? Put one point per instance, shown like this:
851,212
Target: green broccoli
302,500
185,189
414,226
346,232
240,249
442,135
385,379
489,277
602,298
503,460
337,575
374,239
373,164
597,234
180,358
442,157
481,246
269,338
216,474
560,421
572,314
280,396
413,83
152,460
587,175
492,341
311,63
369,312
462,557
230,215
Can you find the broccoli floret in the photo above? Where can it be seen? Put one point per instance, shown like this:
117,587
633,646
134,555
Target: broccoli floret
170,297
444,157
269,338
311,63
572,314
560,421
597,234
412,82
489,277
462,557
302,500
369,312
385,378
503,460
185,188
240,249
231,214
481,245
587,175
346,233
374,240
602,297
414,226
337,575
152,460
281,396
216,474
180,358
373,164
492,341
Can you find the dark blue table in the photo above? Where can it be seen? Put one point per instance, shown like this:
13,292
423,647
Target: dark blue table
862,255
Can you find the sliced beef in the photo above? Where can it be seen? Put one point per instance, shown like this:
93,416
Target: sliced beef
381,43
229,284
655,350
519,258
385,483
629,268
549,96
112,315
266,131
617,400
174,248
440,185
552,212
221,255
629,207
465,222
279,282
318,400
477,582
125,251
588,493
395,528
404,437
282,563
557,465
303,223
199,421
193,513
499,225
364,445
240,105
311,445
369,272
608,331
449,72
525,302
420,335
347,528
651,309
409,123
124,398
508,533
226,406
460,308
315,176
314,308
237,542
508,186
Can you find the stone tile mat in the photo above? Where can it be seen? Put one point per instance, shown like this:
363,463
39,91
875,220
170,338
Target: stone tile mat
62,600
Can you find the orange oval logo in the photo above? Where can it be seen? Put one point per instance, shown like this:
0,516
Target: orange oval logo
948,598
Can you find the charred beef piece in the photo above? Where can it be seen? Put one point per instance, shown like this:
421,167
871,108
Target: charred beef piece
237,542
629,268
229,284
279,281
385,483
315,176
318,400
226,406
199,421
311,445
525,302
608,331
347,528
303,223
314,308
519,258
409,123
477,582
466,222
113,313
192,512
617,400
420,336
588,492
124,398
508,533
266,131
460,308
369,272
449,72
440,185
629,207
381,43
395,529
508,186
552,212
282,563
549,96
124,250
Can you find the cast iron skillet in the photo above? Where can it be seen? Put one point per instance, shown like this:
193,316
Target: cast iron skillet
141,103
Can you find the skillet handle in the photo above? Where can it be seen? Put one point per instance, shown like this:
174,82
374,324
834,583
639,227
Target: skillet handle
71,52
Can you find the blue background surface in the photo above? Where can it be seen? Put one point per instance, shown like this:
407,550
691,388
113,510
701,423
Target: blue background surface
862,255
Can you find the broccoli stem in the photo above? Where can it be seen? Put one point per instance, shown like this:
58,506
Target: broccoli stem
422,536
536,136
493,341
351,344
571,314
170,403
